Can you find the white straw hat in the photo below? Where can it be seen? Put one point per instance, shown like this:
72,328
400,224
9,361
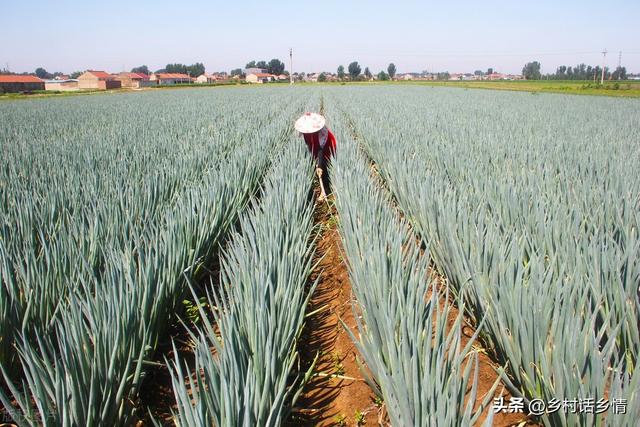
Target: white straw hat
310,123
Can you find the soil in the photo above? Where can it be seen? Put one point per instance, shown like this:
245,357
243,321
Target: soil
337,393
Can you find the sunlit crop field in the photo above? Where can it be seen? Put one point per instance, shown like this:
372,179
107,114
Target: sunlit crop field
120,214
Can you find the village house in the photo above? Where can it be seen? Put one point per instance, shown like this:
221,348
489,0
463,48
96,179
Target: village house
260,78
98,80
205,78
60,85
169,78
495,76
133,80
20,83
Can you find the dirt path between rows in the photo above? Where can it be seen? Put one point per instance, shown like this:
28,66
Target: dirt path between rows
337,394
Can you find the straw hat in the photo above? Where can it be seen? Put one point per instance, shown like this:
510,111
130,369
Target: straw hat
309,123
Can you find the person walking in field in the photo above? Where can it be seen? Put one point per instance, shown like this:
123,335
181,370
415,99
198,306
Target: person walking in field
321,143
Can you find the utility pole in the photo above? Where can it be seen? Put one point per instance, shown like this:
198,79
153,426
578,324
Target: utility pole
291,66
620,59
604,56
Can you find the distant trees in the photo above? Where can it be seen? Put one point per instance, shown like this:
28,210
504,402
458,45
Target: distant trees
391,69
478,73
236,72
275,66
341,72
354,70
620,73
322,77
531,71
586,72
194,70
489,70
141,69
383,76
75,74
444,75
367,73
43,74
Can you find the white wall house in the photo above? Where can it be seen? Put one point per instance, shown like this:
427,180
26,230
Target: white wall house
259,78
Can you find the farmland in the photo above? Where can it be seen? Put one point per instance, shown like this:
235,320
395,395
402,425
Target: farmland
485,244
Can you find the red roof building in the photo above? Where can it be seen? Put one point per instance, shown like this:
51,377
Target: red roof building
98,80
20,83
133,80
169,78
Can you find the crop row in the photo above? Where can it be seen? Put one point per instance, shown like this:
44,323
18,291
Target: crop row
104,219
245,356
533,216
417,361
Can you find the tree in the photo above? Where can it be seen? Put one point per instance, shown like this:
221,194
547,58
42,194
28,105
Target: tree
354,70
195,70
42,73
367,73
391,69
141,69
490,71
478,72
261,64
75,74
620,73
322,77
251,64
236,72
383,76
275,66
341,72
531,70
176,68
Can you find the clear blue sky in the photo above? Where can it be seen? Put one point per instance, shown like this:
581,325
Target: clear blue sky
455,36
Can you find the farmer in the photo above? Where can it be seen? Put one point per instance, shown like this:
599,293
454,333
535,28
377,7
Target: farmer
321,143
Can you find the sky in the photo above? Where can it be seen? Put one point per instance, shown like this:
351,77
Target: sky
460,36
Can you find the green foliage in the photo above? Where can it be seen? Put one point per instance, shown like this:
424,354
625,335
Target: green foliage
533,217
193,70
383,76
123,204
354,70
43,74
340,72
397,304
141,69
391,70
322,77
261,306
531,71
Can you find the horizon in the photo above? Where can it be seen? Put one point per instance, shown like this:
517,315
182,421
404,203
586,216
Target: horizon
414,36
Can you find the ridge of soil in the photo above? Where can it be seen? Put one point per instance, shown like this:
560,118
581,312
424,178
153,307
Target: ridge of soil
336,394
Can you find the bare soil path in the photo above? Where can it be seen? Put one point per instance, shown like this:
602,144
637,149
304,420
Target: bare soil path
336,395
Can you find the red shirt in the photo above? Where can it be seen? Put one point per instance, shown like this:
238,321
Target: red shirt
313,143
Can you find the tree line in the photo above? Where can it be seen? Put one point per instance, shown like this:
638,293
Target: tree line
532,71
355,73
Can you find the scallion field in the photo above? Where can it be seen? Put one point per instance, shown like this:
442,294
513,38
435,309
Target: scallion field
174,234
